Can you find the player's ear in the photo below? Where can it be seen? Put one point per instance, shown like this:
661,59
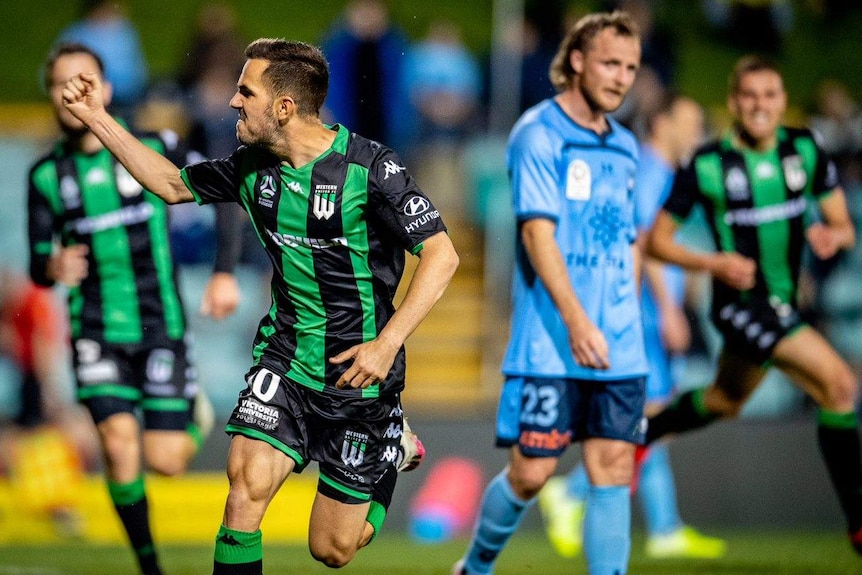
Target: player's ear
284,108
576,60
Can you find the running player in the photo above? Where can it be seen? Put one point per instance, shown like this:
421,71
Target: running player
758,184
127,321
335,213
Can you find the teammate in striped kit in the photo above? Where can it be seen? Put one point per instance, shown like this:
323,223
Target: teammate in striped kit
759,185
128,325
335,213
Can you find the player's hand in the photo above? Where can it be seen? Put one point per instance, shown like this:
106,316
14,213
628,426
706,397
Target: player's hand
735,270
372,361
588,344
221,296
83,96
675,330
823,241
69,266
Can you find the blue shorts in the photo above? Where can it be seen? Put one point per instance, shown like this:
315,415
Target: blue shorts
544,415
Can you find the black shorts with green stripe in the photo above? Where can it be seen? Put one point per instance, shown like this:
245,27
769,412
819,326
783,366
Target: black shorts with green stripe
752,330
354,440
160,379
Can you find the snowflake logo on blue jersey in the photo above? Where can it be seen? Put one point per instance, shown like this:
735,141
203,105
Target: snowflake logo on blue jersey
607,224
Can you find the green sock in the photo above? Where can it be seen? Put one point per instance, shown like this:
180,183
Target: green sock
238,552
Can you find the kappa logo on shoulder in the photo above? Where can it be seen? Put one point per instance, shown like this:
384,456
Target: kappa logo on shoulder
391,169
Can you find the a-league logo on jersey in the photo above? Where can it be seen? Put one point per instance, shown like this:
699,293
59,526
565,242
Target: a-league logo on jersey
324,201
266,190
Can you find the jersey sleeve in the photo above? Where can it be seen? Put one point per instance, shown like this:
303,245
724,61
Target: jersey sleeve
41,222
212,181
683,193
531,164
825,175
397,201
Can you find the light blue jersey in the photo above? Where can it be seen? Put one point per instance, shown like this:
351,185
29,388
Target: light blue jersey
654,181
585,183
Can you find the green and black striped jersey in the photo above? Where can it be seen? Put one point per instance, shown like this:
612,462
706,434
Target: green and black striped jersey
757,204
130,294
336,231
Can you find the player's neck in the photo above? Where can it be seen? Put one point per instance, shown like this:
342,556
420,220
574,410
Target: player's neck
746,140
303,143
85,142
578,109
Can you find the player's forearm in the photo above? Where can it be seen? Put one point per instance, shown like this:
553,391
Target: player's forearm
547,260
154,172
437,264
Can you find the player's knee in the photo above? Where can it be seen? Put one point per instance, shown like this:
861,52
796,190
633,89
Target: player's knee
726,402
527,481
333,554
842,392
168,466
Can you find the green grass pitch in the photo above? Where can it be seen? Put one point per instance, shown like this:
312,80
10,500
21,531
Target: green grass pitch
750,553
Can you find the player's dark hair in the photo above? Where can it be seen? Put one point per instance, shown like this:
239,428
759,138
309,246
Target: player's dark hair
296,69
581,36
65,49
748,64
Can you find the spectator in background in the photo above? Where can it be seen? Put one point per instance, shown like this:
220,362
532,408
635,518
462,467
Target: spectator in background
444,84
750,25
33,337
366,57
105,28
541,36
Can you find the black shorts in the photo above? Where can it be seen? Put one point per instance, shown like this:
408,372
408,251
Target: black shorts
119,378
752,330
354,440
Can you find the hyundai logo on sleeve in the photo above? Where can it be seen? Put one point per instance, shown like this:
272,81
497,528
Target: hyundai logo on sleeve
415,206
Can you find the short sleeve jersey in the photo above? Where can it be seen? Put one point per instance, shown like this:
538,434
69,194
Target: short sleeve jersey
652,188
757,204
130,294
336,231
584,182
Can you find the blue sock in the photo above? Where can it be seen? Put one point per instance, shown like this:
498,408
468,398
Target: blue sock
607,530
578,482
499,515
657,493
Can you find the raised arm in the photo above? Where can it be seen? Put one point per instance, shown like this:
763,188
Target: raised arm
83,97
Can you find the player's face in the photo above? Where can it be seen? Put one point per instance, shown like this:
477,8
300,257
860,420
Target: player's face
759,104
65,67
606,70
257,124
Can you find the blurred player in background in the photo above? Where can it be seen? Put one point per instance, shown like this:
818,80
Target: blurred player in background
575,362
759,186
674,128
94,229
